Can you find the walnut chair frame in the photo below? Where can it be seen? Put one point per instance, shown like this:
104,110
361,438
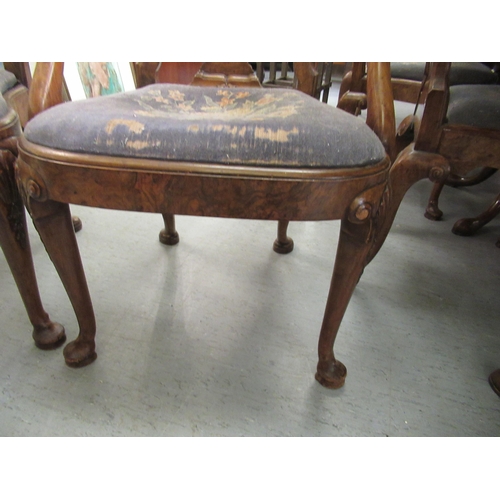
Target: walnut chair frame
464,147
14,238
365,199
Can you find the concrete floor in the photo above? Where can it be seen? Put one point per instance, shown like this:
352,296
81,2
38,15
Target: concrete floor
217,336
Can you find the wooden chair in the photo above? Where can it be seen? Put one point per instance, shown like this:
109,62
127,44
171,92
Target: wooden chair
462,123
14,238
283,75
239,152
407,78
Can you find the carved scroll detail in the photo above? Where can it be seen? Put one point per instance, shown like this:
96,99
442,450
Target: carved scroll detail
31,185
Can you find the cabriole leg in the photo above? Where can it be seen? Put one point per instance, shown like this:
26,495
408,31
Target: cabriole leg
54,224
15,244
433,211
283,244
469,227
354,245
169,235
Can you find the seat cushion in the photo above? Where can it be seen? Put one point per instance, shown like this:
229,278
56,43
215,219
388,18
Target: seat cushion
4,108
7,80
235,126
460,72
476,106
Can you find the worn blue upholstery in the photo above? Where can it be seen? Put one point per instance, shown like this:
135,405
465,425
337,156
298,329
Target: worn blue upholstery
247,126
7,80
475,105
460,72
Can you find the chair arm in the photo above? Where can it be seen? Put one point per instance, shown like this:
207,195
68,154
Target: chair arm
380,105
436,107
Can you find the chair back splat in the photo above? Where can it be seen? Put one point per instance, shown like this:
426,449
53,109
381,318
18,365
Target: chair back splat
238,151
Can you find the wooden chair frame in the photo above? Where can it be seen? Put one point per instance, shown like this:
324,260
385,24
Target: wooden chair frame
364,199
14,238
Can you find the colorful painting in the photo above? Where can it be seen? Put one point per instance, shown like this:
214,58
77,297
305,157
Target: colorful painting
99,78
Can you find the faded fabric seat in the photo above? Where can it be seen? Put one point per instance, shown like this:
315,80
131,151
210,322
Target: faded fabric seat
251,126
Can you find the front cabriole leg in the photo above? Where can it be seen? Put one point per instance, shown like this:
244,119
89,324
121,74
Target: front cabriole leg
363,231
15,244
55,226
355,241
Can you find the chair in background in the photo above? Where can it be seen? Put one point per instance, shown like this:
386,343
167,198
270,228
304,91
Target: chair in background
245,152
14,238
283,75
463,125
409,83
15,82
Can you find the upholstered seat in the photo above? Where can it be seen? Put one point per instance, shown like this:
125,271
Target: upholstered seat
461,73
475,106
7,80
251,126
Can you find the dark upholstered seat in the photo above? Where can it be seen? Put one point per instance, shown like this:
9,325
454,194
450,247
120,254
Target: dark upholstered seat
476,106
4,108
7,80
460,73
250,126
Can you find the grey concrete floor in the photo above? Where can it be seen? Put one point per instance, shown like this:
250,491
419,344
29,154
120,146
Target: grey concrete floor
217,336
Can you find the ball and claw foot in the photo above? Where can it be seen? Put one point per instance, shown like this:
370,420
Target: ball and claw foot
331,374
50,336
169,238
78,353
283,247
